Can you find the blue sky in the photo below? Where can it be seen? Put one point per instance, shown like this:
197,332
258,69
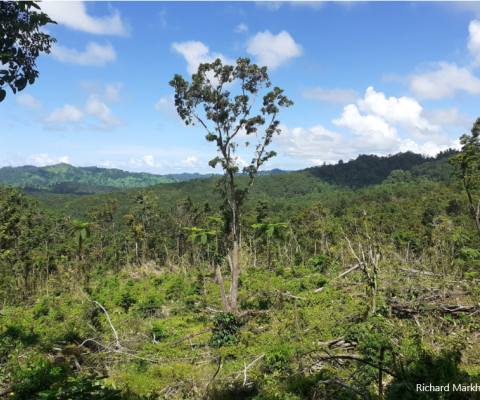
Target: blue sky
365,77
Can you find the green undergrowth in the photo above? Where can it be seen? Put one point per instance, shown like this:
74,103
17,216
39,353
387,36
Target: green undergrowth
63,342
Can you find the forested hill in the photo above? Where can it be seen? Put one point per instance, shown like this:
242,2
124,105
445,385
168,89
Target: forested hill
66,179
283,191
369,170
46,177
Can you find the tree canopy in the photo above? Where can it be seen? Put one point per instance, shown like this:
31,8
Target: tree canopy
21,43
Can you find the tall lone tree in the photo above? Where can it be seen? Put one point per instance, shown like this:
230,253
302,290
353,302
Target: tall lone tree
224,118
21,42
467,169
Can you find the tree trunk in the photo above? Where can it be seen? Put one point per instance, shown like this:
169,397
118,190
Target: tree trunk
232,296
475,212
218,274
136,251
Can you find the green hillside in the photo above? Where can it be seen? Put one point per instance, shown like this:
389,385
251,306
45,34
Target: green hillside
284,191
67,179
45,177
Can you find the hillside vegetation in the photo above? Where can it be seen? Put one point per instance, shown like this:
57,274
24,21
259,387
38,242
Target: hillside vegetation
363,294
66,179
284,191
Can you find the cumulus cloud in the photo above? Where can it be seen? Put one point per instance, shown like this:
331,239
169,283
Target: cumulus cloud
428,148
109,92
94,55
332,96
29,101
404,111
148,162
43,159
445,79
449,117
444,82
196,53
372,132
241,28
474,42
66,114
315,143
372,123
94,106
273,50
105,115
73,14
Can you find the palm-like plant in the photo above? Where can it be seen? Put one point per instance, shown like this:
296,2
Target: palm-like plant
204,236
270,232
80,231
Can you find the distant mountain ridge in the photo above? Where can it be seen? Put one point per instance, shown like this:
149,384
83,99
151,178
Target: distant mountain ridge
66,179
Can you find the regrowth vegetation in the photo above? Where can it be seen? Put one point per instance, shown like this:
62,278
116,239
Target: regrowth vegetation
276,287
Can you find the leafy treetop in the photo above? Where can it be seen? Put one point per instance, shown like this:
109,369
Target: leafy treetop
21,43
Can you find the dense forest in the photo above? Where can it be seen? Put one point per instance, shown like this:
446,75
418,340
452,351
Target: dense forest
66,179
125,294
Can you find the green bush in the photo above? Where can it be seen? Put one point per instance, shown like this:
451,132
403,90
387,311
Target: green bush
318,263
435,369
80,388
125,300
278,361
226,330
34,376
41,309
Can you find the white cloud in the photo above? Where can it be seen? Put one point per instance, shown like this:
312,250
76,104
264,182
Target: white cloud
474,42
332,96
448,116
472,6
428,148
99,109
65,115
40,160
270,5
166,106
446,79
314,5
54,128
196,53
370,122
74,15
315,143
148,163
163,20
444,82
94,55
29,101
273,50
94,106
372,132
241,28
404,111
109,93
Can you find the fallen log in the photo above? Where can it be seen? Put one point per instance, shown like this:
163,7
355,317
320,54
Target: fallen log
191,336
341,275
